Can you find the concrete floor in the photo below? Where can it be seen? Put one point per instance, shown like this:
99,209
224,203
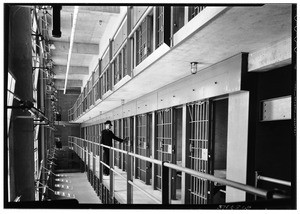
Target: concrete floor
80,187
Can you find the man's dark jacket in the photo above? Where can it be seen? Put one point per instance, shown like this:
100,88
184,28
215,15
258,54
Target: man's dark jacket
107,136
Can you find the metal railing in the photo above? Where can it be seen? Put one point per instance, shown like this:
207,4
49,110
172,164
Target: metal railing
166,167
272,180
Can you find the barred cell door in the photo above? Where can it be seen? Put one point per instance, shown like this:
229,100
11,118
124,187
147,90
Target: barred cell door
117,144
198,151
142,148
165,144
127,132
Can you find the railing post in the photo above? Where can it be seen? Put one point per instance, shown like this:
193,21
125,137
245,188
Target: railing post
166,183
100,164
129,178
255,183
111,176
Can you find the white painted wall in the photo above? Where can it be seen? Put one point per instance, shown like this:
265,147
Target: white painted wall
237,142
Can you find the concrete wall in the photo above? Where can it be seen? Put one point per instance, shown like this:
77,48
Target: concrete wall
274,145
65,102
219,79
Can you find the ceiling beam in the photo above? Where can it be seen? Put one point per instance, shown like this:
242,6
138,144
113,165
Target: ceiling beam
71,76
60,83
98,9
78,48
61,69
275,56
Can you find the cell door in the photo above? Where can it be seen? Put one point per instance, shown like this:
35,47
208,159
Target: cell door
127,132
164,143
198,150
142,148
117,144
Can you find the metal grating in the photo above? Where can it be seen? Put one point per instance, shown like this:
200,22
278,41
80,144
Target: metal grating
144,37
193,11
198,148
127,132
164,140
160,26
142,148
117,144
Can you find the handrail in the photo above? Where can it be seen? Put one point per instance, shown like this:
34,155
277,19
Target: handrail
148,10
118,51
272,180
146,193
18,198
247,188
237,185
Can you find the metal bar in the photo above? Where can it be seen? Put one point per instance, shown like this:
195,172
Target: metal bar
255,183
247,188
166,184
146,158
274,180
124,178
111,177
237,185
100,165
129,179
140,21
146,193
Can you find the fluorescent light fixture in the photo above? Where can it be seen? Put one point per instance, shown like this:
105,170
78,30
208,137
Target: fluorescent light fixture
71,45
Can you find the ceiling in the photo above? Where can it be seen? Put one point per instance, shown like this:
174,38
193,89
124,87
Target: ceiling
92,22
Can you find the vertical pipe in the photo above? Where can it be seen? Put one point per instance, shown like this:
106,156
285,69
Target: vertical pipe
147,137
134,143
100,165
255,183
111,177
154,28
165,184
154,147
185,126
129,178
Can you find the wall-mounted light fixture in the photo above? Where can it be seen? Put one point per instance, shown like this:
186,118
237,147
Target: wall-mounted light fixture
194,67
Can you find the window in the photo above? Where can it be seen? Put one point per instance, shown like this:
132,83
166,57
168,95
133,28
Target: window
11,82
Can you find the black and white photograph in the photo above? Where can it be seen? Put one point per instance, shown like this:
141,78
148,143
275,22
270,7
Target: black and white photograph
164,106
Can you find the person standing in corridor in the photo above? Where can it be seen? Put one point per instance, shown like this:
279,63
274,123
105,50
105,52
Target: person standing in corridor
106,139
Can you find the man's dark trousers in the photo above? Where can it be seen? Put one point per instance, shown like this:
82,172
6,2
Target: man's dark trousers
106,160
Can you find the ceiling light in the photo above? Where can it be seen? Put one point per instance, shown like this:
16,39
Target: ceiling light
194,67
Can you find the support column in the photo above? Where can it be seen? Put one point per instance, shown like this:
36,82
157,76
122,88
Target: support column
21,139
237,147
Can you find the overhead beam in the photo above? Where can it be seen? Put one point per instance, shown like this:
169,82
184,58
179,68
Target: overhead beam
71,76
60,83
274,56
78,48
97,9
61,69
